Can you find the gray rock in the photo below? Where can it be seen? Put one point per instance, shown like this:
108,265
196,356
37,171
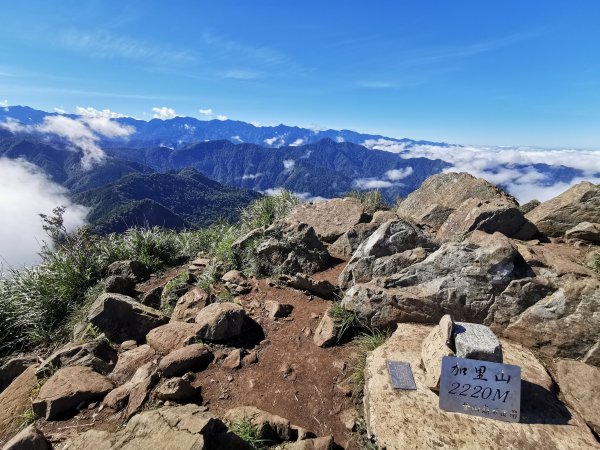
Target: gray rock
529,206
13,367
178,390
30,438
321,288
584,231
220,321
326,334
391,238
98,355
129,361
129,269
345,246
116,284
122,318
189,305
474,341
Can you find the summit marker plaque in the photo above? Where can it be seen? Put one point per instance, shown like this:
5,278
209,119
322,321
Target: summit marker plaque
481,388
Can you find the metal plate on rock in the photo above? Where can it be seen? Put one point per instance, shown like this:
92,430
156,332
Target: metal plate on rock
401,375
481,388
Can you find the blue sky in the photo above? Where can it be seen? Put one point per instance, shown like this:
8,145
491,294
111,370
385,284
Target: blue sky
472,72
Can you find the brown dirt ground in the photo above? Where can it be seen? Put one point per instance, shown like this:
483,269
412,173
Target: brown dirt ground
293,377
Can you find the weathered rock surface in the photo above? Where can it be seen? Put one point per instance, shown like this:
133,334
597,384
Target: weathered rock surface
30,438
564,324
98,355
186,427
435,346
220,321
122,318
129,361
189,305
129,269
326,334
193,357
414,420
396,240
284,248
321,288
462,279
496,214
116,284
135,391
277,310
580,203
273,427
178,390
68,388
171,336
236,282
322,443
15,400
579,385
13,367
585,231
152,297
475,341
441,194
345,246
330,219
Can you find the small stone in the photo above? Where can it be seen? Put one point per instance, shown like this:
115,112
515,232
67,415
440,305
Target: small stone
277,309
286,369
250,358
474,341
348,417
306,331
314,316
178,390
230,378
435,346
326,334
233,360
127,345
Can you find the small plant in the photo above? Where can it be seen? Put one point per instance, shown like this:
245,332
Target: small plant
266,210
372,201
364,442
225,296
250,432
27,418
597,262
345,320
366,343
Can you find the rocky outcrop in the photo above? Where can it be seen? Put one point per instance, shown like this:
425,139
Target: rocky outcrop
68,388
119,285
584,231
98,355
187,427
441,194
580,203
129,269
330,219
121,318
394,246
189,305
29,438
220,321
579,385
414,420
565,323
496,214
283,248
462,279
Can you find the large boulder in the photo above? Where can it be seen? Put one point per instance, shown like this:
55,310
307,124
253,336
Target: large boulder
564,324
283,248
441,194
189,305
413,419
15,400
186,427
579,385
98,355
29,438
461,278
193,357
330,219
580,203
67,389
389,249
13,367
496,214
585,231
121,318
171,336
220,321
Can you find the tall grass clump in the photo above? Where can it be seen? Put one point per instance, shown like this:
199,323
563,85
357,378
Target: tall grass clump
372,200
266,210
246,429
366,343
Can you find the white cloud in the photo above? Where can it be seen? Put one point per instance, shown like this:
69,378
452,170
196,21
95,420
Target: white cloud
271,141
297,142
339,139
4,104
25,192
222,117
164,113
94,113
236,139
208,112
371,183
513,167
59,110
288,165
399,174
304,196
83,133
251,176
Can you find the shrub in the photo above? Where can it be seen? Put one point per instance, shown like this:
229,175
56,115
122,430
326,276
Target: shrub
372,201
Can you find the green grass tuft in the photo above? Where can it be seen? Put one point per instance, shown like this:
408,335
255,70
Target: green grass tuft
372,201
250,432
346,320
366,343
